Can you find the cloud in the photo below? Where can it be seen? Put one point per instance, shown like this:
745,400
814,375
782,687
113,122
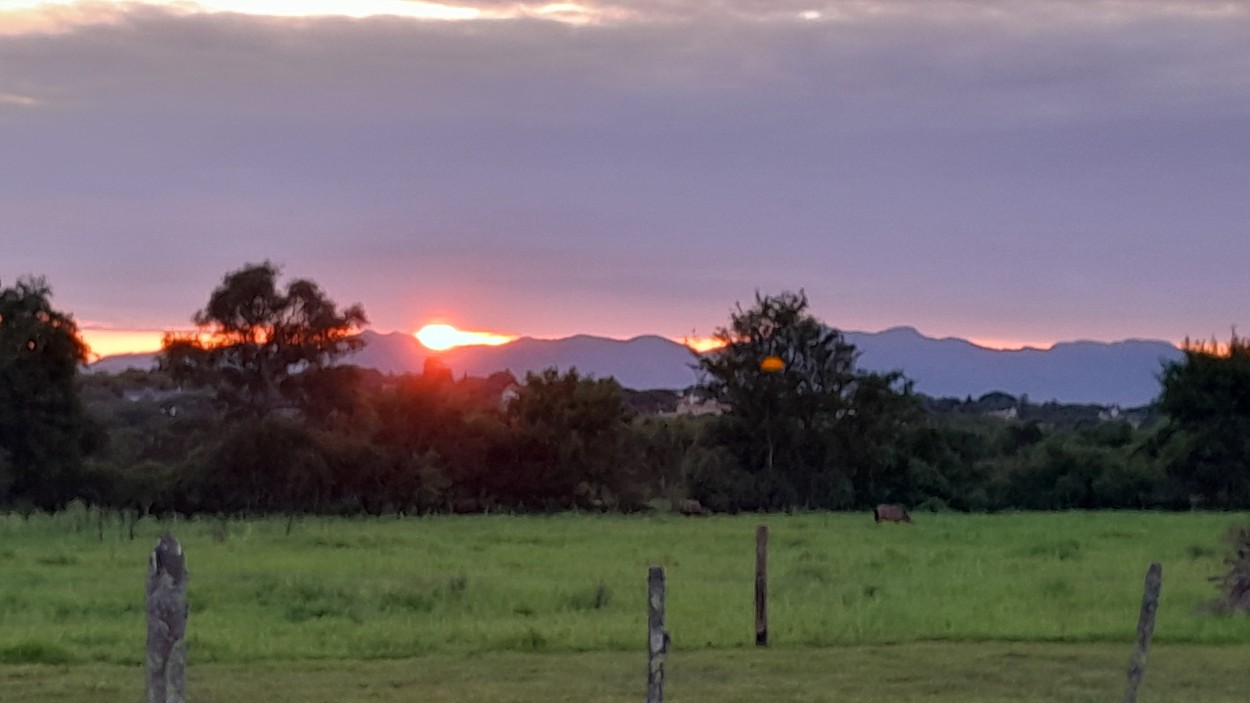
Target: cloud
880,64
19,16
415,9
15,100
904,157
33,17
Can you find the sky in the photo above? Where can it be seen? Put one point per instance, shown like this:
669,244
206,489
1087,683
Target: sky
1004,171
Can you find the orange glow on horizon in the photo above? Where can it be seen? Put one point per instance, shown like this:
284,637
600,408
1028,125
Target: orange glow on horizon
441,337
1009,344
111,342
702,344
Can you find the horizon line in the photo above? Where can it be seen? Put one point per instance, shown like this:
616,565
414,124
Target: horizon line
116,341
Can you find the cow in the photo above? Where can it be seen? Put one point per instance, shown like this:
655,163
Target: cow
693,507
890,513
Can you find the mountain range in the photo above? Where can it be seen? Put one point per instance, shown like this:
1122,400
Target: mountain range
1105,373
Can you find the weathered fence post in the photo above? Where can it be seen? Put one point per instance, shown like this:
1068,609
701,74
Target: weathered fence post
167,622
761,586
657,636
1145,630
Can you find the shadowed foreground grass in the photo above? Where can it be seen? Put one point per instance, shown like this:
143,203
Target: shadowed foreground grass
933,672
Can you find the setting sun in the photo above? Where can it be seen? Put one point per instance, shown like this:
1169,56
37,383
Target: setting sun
702,344
439,337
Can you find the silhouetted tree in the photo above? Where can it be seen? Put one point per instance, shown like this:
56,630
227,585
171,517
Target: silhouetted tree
272,465
874,432
577,434
804,431
258,346
44,433
1206,398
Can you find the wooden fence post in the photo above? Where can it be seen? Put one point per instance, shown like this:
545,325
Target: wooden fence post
1145,630
167,622
657,636
761,586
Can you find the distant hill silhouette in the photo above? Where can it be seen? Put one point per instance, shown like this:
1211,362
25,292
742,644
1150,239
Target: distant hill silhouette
117,363
1116,373
1107,373
640,363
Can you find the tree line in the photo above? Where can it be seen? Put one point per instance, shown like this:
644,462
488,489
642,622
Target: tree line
254,414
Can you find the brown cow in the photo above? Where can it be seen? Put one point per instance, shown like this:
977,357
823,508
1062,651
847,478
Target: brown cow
890,513
693,507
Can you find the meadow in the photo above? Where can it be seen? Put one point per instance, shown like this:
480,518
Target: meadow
497,596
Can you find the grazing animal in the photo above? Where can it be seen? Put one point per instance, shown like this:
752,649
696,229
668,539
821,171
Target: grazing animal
692,507
890,513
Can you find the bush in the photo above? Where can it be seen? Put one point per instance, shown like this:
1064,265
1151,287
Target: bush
1234,585
714,478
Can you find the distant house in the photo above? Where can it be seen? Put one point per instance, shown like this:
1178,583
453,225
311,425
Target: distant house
508,395
495,391
173,401
691,404
1011,413
1135,417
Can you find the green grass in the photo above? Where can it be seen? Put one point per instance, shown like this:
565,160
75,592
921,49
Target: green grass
350,594
930,672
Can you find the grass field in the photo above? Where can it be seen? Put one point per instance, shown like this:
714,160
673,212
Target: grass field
976,672
496,596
